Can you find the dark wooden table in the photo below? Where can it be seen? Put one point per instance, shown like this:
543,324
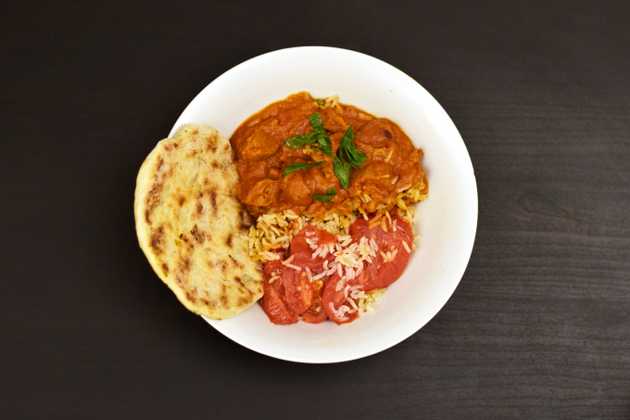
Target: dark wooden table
539,327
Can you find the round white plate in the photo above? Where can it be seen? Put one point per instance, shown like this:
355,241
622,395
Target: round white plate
446,222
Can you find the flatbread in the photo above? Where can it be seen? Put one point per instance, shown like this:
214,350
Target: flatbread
191,227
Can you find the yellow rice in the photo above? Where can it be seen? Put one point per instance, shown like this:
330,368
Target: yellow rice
274,231
367,302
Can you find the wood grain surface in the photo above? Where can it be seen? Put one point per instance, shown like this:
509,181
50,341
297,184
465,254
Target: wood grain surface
539,327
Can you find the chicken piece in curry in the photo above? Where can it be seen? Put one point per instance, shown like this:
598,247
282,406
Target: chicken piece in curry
314,156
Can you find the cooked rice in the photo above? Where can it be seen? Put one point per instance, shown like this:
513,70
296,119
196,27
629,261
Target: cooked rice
273,232
368,300
328,102
406,199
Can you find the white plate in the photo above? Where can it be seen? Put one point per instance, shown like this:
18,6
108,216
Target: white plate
446,221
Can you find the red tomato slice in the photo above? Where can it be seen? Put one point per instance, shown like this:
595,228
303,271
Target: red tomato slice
333,300
303,253
298,293
319,236
315,314
274,307
291,286
292,294
383,273
270,267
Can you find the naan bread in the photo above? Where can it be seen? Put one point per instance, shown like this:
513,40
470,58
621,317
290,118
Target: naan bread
191,226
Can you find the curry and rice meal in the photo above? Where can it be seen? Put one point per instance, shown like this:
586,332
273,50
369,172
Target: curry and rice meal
308,209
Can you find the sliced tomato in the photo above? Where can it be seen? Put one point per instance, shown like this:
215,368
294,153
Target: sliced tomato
298,293
320,236
291,286
302,251
390,271
274,307
272,266
315,314
292,294
333,300
383,273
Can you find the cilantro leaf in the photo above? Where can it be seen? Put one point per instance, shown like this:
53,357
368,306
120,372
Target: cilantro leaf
348,157
299,166
296,142
324,144
349,151
317,136
342,171
316,122
325,197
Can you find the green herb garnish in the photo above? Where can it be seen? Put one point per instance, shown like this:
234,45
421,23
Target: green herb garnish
299,166
325,197
348,157
324,144
296,142
317,136
349,151
316,122
342,171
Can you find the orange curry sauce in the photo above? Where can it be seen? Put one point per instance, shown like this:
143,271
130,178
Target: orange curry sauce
392,164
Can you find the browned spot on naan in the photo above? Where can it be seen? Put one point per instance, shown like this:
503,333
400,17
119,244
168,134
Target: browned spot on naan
191,296
152,200
243,287
213,200
224,300
156,240
197,234
184,265
236,263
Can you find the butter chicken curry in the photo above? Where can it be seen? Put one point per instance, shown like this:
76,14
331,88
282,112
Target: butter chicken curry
313,156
